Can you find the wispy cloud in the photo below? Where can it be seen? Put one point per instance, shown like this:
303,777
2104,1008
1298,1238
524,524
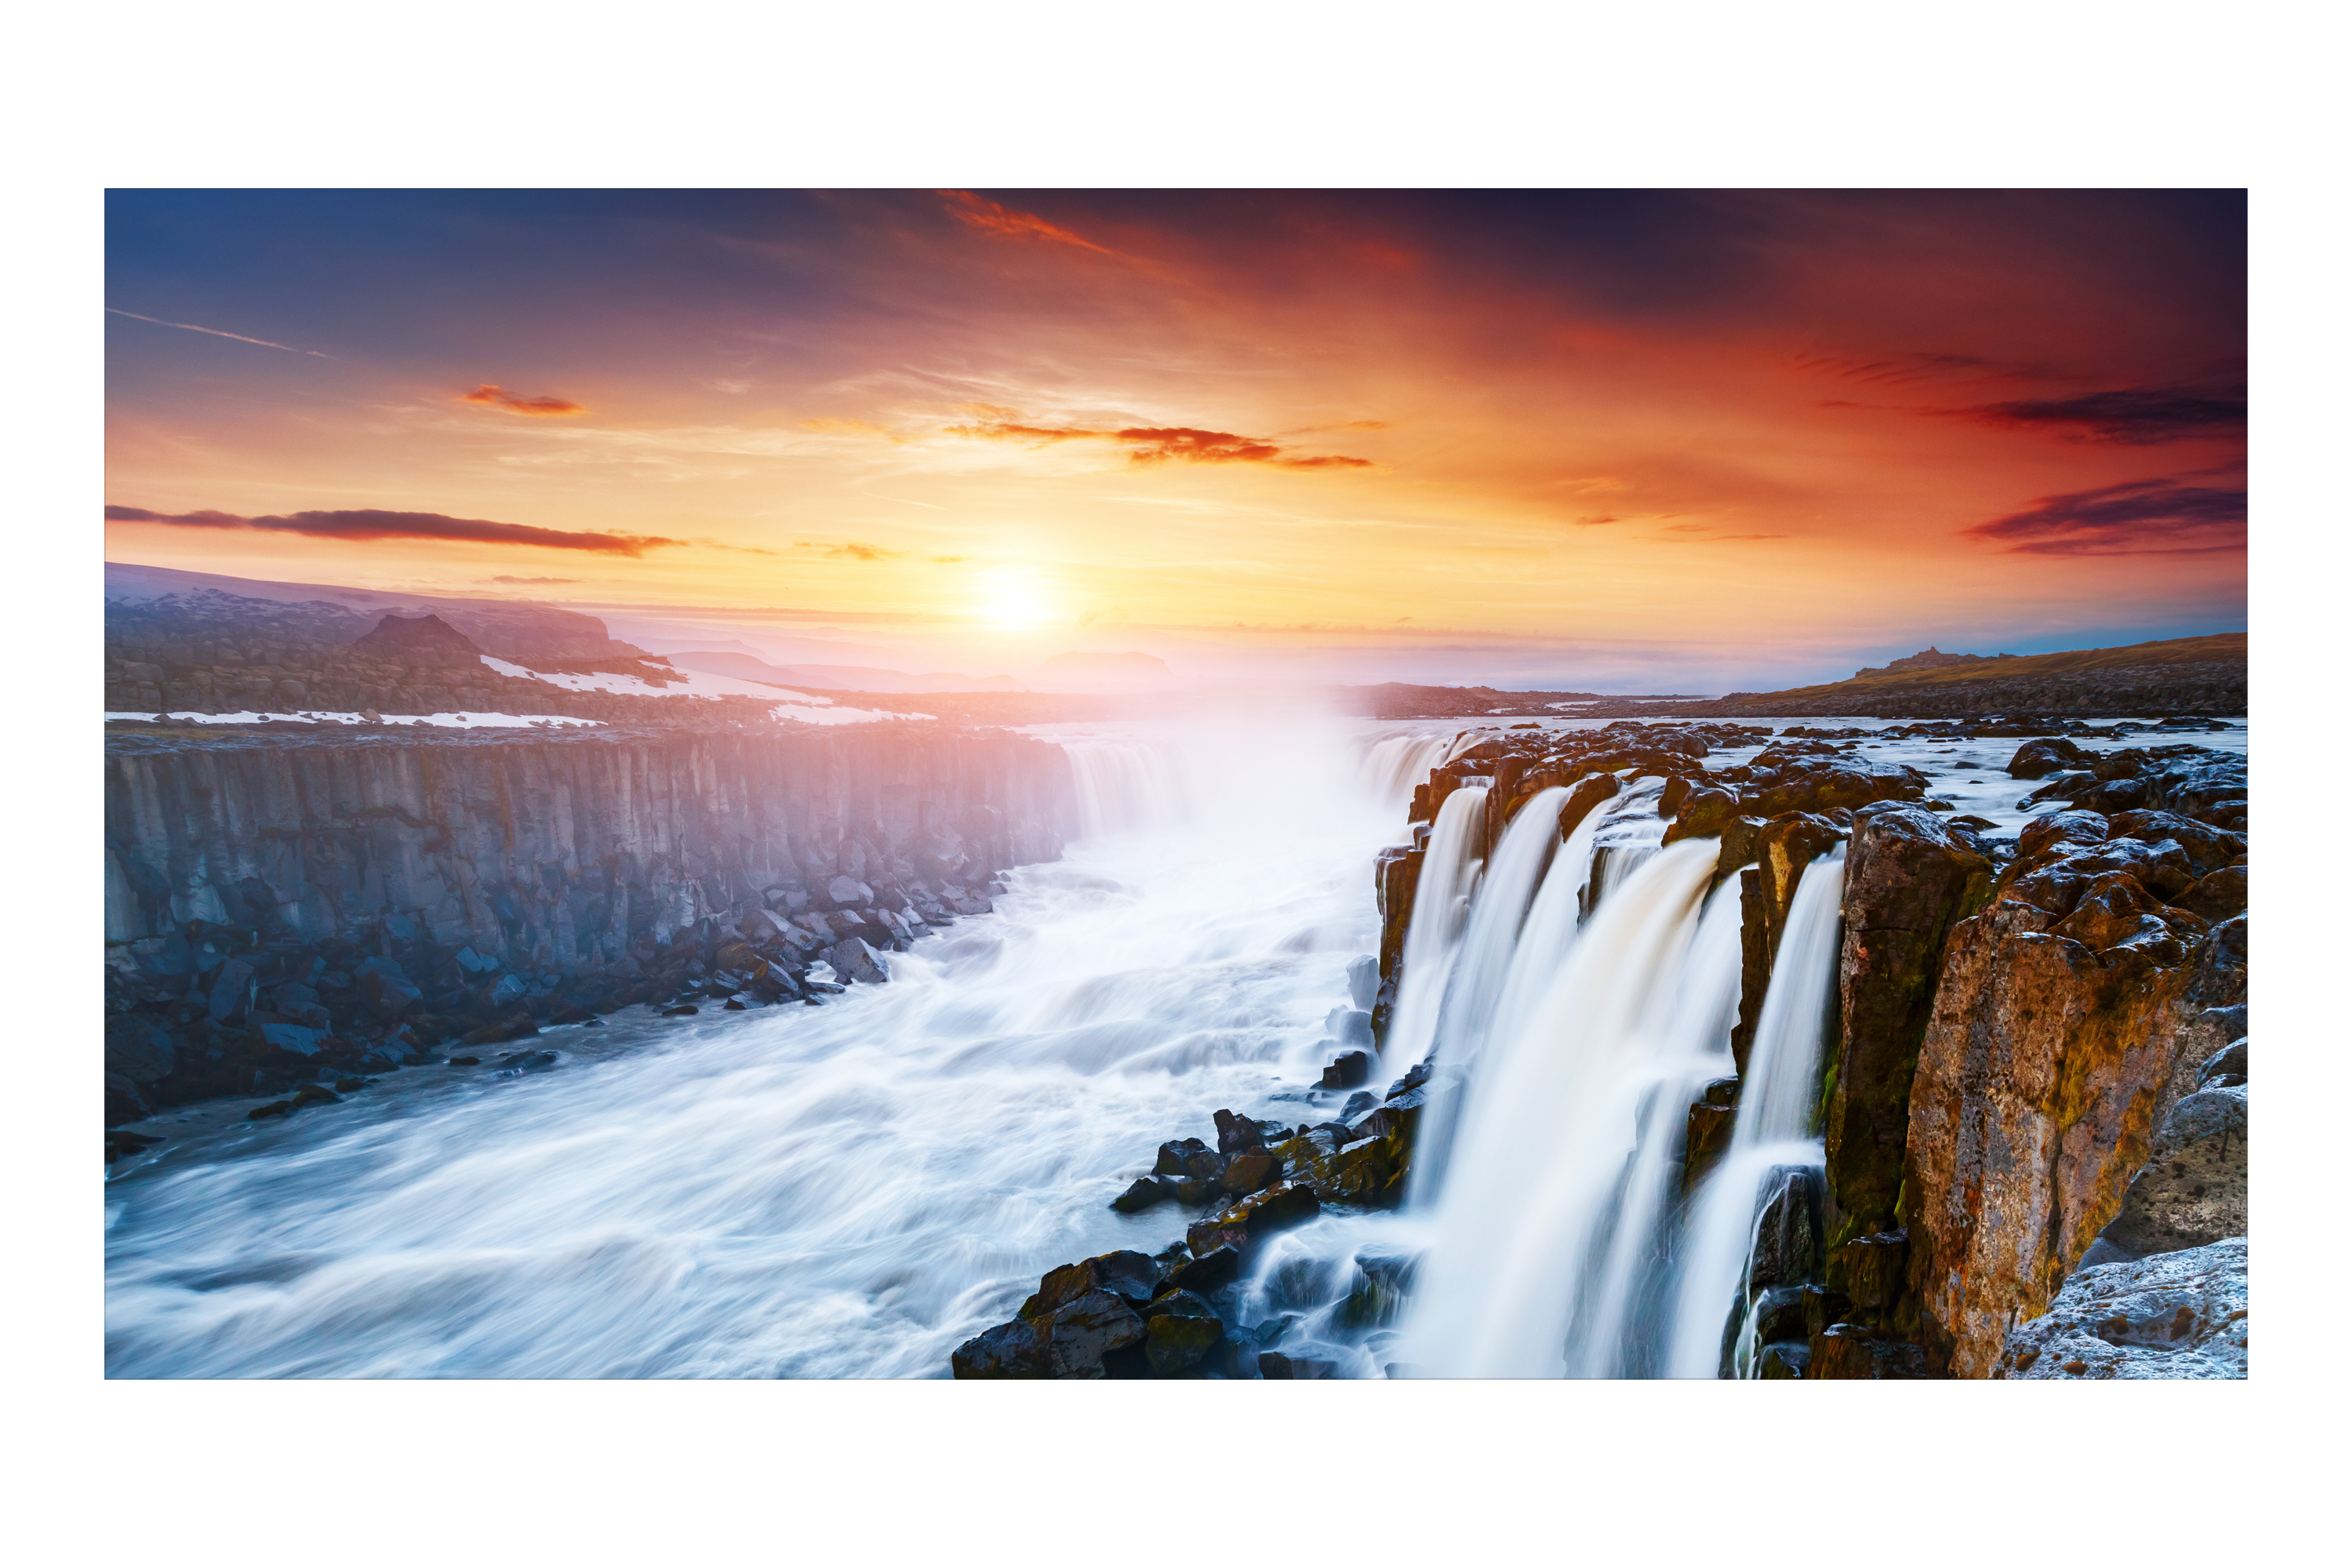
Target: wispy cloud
1158,444
2131,416
530,582
2139,516
365,527
491,396
216,332
994,217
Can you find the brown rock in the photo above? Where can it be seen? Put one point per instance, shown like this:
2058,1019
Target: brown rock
2045,1070
1907,879
2217,895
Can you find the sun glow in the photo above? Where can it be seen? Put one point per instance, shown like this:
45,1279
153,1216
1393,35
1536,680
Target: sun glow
1014,600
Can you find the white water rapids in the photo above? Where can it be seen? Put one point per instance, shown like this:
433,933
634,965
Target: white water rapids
855,1189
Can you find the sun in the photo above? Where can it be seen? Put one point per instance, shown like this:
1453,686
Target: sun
1013,600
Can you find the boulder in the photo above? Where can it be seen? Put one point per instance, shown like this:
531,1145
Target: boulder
1013,1350
1132,1276
1254,1219
1908,879
1783,1361
1350,1069
853,959
2174,1315
1174,1155
2192,1192
1237,1134
1180,1331
383,987
1145,1192
1218,1266
2036,759
1276,1367
2217,895
1245,1174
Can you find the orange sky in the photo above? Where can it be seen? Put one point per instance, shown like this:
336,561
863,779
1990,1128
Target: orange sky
1620,439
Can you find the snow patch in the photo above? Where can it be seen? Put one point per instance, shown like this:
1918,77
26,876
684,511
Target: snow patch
442,721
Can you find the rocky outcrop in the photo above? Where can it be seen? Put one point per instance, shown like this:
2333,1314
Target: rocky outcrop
2192,1191
2070,1018
1908,878
2175,1315
277,904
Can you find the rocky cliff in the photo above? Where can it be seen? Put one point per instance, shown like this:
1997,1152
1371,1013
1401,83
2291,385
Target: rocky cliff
278,901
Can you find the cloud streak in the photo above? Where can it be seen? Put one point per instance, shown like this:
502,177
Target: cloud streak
216,332
2131,416
490,396
2139,516
366,527
993,218
1160,444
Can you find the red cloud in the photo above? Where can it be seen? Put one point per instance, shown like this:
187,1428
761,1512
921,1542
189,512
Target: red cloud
500,397
992,218
364,526
1177,443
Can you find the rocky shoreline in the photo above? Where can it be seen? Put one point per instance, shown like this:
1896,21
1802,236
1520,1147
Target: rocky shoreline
2032,1097
291,909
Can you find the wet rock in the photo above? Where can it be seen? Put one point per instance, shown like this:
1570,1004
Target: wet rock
1254,1219
2192,1192
1908,879
1131,1276
1205,1164
1708,1134
1174,1155
1277,1366
1237,1134
1783,1360
1583,796
1364,984
1218,1266
2039,759
504,1029
1358,1104
1145,1192
1870,1270
1180,1332
314,1094
1704,812
1349,1069
1013,1350
121,1145
1823,1306
1781,1315
2217,895
2079,828
854,959
2175,1315
1248,1172
265,1112
464,1062
848,893
686,1010
1383,1281
1192,1191
1847,1351
1784,846
1787,1229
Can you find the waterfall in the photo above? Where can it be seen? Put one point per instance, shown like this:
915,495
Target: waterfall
1552,1121
1125,786
1551,922
1449,867
1394,765
1483,958
1774,1126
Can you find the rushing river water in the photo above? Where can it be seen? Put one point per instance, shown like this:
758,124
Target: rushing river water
853,1190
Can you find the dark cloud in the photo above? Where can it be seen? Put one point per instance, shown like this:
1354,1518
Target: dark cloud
2140,517
361,527
500,397
2139,417
1161,444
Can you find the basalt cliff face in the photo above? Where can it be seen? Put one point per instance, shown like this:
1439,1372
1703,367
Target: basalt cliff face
274,902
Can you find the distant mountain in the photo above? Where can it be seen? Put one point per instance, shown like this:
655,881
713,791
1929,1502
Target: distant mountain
2204,675
539,636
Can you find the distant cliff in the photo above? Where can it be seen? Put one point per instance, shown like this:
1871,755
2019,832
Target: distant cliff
2183,675
362,897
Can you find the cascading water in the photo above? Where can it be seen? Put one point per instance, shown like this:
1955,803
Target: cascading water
1773,1128
1127,785
1449,867
1523,1227
1395,764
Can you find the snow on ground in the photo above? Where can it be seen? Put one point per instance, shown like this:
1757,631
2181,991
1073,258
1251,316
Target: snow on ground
801,707
443,721
697,683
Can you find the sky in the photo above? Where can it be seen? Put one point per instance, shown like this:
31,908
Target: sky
1626,441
